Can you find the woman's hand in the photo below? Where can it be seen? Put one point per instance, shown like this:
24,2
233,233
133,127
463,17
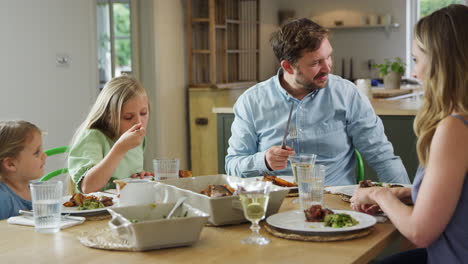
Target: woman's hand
362,200
131,138
142,174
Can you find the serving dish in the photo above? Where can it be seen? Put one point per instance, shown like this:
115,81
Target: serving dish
145,227
222,210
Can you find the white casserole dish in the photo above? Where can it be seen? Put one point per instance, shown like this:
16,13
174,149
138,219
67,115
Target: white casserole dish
145,226
222,210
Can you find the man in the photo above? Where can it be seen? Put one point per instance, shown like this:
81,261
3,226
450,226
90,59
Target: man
330,117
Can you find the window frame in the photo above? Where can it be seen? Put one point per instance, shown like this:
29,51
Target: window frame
134,27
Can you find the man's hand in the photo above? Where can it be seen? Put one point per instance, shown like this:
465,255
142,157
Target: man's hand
276,158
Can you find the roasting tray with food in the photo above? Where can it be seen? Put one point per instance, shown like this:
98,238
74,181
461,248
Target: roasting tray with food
215,195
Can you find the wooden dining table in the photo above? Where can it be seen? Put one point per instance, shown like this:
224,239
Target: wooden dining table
21,244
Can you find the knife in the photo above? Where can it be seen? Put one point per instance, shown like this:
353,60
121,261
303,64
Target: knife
286,132
68,217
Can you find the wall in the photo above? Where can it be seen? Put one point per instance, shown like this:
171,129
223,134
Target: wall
33,87
268,24
164,75
360,44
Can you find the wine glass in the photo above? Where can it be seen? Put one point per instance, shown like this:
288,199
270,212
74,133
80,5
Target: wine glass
254,196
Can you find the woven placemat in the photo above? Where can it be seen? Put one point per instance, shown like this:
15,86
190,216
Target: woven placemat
316,237
105,239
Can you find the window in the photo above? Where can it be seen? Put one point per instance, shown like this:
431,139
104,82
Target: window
426,7
115,39
415,10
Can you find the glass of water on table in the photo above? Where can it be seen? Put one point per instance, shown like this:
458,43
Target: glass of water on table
47,204
311,185
302,160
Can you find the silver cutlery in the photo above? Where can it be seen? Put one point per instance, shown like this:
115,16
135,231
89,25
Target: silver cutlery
286,132
66,217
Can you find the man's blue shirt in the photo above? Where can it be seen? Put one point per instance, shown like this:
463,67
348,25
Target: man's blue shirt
330,122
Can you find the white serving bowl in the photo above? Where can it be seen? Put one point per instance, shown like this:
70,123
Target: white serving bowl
222,210
145,226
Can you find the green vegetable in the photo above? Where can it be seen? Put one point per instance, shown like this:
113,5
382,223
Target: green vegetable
133,220
340,220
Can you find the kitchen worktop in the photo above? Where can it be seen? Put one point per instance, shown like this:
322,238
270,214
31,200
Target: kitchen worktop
404,107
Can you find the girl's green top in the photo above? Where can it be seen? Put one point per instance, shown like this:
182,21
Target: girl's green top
90,148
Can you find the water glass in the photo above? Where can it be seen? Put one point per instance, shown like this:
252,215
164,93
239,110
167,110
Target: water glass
47,204
311,181
166,168
302,160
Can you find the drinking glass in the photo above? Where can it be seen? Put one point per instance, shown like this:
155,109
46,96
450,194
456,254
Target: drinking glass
310,185
166,168
254,196
302,160
47,204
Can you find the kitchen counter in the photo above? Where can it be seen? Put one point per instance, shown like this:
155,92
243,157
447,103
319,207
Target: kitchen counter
405,107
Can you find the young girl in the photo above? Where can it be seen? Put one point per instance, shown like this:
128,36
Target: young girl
437,222
109,144
21,160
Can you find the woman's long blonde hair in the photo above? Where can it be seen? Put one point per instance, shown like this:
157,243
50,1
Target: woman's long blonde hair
105,113
443,37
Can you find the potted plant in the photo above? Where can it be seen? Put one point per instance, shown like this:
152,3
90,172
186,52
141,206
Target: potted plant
391,71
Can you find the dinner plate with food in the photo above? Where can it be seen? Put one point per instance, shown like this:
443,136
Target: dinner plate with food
321,220
91,203
349,189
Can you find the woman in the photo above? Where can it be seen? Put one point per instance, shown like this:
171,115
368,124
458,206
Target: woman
437,222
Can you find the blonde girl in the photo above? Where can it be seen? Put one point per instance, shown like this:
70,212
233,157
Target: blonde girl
21,160
437,222
109,144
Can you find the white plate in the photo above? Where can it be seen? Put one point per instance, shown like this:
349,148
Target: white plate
296,221
74,210
349,189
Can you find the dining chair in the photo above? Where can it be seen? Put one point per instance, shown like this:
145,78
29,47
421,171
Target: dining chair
51,152
359,167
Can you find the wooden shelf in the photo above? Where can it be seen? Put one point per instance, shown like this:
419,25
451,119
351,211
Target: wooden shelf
195,20
242,51
223,42
386,28
201,51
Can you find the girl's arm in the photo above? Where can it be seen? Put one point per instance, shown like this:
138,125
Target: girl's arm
440,190
98,176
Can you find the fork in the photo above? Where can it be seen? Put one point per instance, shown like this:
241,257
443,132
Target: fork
293,135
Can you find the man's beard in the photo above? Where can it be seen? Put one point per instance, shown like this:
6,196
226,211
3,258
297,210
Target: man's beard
310,85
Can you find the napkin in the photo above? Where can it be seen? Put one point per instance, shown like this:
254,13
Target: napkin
65,221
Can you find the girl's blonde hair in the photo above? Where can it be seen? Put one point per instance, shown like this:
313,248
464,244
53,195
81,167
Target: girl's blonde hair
105,113
13,136
443,38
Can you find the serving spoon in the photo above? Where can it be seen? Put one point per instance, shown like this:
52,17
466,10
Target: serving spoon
179,202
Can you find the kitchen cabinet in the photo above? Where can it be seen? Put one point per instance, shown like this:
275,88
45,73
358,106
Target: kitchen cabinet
398,128
223,43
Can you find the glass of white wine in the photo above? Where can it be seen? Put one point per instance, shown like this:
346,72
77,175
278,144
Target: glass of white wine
254,196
